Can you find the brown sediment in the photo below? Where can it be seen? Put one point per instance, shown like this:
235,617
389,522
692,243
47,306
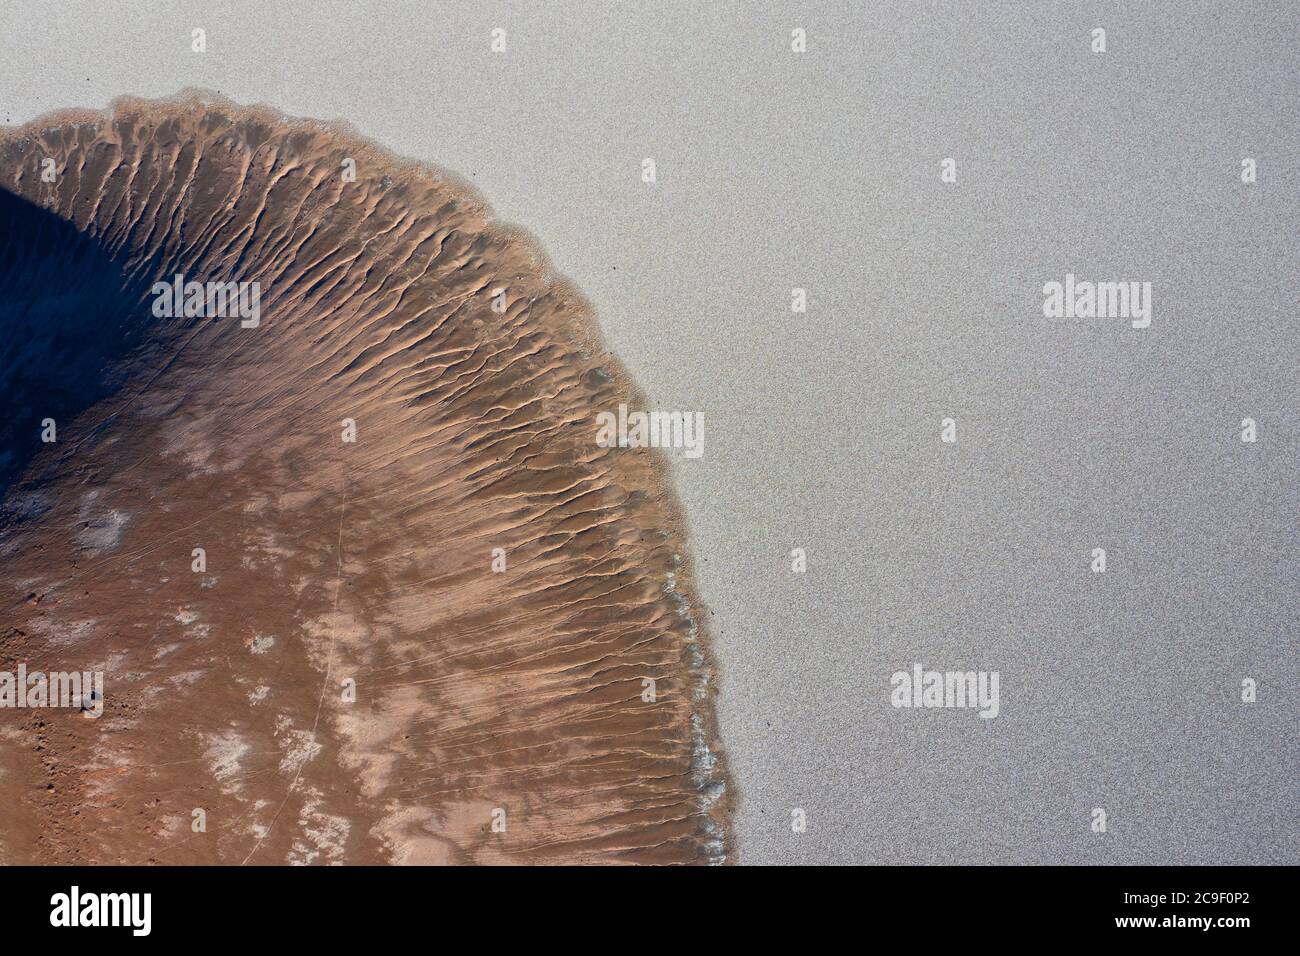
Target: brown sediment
327,561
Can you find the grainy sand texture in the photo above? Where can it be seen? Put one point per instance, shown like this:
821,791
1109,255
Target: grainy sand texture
910,175
431,620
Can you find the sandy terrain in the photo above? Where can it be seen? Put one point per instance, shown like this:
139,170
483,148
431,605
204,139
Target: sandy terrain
822,170
418,392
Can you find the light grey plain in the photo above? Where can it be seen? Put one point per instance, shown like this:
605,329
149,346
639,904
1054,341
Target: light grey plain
822,170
